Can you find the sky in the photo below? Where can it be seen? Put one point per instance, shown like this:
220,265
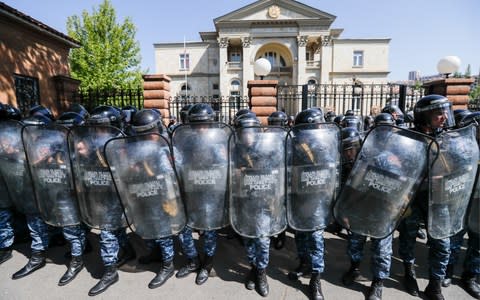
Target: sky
421,32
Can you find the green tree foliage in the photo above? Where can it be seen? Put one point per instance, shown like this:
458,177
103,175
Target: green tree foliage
109,56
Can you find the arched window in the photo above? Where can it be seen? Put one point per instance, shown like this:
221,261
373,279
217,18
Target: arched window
235,92
276,60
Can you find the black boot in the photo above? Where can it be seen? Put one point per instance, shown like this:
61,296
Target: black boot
205,269
261,282
5,254
448,276
315,287
125,254
36,261
303,269
375,292
76,265
352,274
470,285
110,276
433,291
154,256
250,280
165,272
193,264
410,280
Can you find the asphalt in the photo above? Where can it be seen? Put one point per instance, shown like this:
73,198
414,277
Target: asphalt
230,266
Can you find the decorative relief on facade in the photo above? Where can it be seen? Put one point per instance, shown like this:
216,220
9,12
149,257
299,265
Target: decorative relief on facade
246,41
326,39
302,40
222,42
274,11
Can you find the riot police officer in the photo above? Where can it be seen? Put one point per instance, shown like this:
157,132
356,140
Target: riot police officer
204,160
432,114
396,113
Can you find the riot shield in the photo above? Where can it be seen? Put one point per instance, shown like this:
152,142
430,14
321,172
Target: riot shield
451,181
97,198
473,220
5,201
201,159
14,168
383,180
147,185
47,155
257,199
314,169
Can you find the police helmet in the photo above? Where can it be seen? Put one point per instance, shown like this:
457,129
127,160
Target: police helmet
390,109
247,120
309,116
460,115
338,119
278,118
368,122
184,113
472,117
105,115
384,119
349,113
146,120
200,112
38,109
79,109
350,121
9,112
70,118
38,119
329,116
242,112
430,105
350,138
128,113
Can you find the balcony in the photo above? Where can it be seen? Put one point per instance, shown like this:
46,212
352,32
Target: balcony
312,64
234,65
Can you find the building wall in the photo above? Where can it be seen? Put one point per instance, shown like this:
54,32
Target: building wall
26,52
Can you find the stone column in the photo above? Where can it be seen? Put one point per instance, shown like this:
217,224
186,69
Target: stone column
156,93
301,59
455,89
223,65
263,98
247,69
325,59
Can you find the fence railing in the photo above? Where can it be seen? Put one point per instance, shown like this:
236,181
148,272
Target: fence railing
341,97
92,98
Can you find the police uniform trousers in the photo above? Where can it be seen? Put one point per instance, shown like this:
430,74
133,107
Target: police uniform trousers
381,253
188,245
6,228
472,256
110,243
439,249
311,247
258,251
166,248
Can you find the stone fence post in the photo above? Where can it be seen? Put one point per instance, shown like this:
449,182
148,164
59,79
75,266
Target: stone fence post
262,98
455,89
156,93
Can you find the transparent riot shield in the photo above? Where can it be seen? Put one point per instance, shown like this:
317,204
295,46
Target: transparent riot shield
257,200
201,159
451,181
5,201
147,185
47,155
97,198
14,168
383,180
314,170
473,220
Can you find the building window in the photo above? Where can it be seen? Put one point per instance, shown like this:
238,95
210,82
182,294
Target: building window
235,92
184,61
275,59
358,58
215,86
26,91
235,56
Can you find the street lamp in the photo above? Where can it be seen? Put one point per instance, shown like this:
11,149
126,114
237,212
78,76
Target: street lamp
448,65
262,67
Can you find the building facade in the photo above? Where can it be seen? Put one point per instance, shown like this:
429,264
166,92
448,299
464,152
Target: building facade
33,62
297,39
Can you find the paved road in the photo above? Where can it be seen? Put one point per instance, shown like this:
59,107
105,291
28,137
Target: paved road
230,266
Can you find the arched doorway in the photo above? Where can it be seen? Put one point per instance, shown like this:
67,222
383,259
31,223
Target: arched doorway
281,60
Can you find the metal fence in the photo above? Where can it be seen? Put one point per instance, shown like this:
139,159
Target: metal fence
341,97
92,98
224,107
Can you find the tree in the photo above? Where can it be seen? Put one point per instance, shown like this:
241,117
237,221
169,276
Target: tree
109,56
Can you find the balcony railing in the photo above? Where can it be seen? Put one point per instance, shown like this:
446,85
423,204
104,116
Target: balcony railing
234,65
313,63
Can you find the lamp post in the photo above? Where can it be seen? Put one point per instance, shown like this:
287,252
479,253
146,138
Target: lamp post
448,65
262,67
